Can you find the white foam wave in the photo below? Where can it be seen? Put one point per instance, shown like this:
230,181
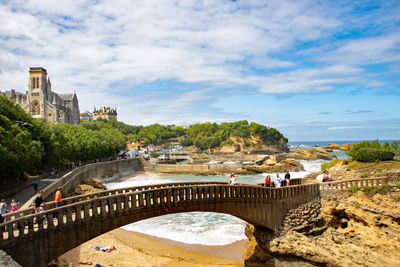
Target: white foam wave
205,228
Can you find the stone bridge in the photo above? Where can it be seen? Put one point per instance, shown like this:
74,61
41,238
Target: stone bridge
36,239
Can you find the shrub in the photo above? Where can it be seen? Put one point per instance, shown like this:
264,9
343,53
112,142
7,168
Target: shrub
353,189
381,189
329,164
397,185
364,175
379,169
357,204
372,155
367,190
348,169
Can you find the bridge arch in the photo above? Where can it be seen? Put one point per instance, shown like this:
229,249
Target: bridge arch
69,226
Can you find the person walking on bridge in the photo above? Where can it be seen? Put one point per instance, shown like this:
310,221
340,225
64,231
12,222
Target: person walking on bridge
233,180
287,177
3,206
58,197
38,202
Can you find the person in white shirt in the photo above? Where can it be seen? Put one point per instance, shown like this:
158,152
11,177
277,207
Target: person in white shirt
278,181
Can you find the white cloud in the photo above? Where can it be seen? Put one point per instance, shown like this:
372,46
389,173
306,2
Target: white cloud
106,50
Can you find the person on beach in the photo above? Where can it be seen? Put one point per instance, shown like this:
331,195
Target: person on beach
267,182
14,205
58,197
3,206
233,180
287,177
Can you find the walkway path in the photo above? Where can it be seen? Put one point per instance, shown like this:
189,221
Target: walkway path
27,193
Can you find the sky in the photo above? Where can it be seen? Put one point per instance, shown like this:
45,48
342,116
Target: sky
314,70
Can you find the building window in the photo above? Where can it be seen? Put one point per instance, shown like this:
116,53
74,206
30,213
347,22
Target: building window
49,114
35,108
37,82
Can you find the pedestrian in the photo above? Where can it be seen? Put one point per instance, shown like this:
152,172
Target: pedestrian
287,177
35,185
233,180
267,182
14,205
3,206
39,202
58,197
325,177
278,181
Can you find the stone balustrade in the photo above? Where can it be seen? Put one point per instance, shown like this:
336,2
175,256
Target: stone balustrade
69,200
55,231
346,184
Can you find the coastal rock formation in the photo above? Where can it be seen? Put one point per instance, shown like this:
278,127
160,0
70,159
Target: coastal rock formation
333,146
282,166
252,145
345,146
311,154
360,230
7,261
89,186
350,170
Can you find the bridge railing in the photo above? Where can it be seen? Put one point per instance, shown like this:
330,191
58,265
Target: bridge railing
344,185
133,201
66,201
293,181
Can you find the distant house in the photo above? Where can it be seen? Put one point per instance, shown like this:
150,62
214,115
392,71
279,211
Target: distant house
107,113
86,116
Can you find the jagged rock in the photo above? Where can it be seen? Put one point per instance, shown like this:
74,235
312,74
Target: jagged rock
89,186
333,146
367,234
345,146
96,183
311,154
282,166
7,261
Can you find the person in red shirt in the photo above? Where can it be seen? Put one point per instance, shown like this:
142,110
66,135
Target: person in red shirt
58,197
267,181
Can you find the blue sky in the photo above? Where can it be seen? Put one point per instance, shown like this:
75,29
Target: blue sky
315,70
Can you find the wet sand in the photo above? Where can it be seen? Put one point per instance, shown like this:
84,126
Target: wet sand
136,249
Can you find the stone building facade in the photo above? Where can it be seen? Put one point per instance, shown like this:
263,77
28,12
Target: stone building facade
105,113
42,103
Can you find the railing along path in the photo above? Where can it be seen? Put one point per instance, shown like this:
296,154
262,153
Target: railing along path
125,201
66,201
346,184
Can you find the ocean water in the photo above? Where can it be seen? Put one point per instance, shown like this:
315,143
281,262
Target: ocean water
206,228
310,144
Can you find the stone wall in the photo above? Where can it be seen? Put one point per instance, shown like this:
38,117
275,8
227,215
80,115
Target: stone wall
96,170
197,169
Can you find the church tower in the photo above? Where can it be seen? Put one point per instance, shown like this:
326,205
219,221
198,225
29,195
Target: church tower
37,93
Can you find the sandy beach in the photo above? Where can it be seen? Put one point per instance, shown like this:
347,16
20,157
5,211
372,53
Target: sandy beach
135,249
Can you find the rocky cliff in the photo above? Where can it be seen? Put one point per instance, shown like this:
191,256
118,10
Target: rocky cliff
253,144
311,153
353,229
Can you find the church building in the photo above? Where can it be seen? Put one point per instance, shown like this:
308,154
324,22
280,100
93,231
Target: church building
42,103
